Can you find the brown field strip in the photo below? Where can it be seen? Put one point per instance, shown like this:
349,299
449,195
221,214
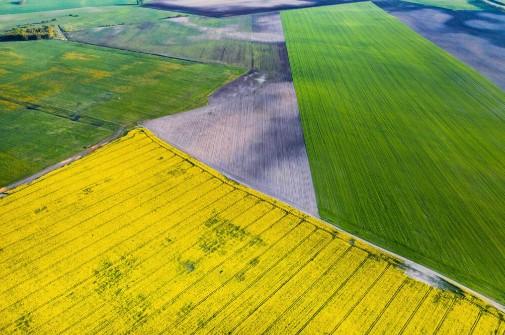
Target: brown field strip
138,237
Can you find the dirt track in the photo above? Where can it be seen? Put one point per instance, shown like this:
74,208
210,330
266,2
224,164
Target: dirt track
475,37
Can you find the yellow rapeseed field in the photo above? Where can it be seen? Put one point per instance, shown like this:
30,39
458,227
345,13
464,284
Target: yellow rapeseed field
140,238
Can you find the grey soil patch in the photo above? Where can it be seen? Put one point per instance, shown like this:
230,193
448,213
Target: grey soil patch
251,130
220,8
266,29
475,37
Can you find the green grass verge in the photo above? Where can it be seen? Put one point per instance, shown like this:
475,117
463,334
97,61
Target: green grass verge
87,17
405,142
26,6
86,92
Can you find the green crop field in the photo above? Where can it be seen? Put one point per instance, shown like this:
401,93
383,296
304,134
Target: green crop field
26,6
33,140
81,18
57,97
406,144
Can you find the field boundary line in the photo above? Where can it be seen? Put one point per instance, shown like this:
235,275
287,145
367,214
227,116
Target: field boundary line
138,52
341,233
61,112
121,131
361,243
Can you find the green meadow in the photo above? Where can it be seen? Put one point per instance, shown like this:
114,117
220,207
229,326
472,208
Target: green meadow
26,6
57,98
405,143
86,17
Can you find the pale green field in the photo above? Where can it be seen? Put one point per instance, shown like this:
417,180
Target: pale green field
87,17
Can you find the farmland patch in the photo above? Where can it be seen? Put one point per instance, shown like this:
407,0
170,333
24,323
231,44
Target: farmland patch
27,6
475,37
86,17
250,131
253,41
251,128
404,141
90,91
197,253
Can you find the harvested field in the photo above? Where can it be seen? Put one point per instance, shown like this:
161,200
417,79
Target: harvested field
405,142
220,8
56,98
139,238
475,37
250,131
253,41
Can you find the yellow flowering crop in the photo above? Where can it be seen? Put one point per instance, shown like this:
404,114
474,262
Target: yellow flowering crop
140,238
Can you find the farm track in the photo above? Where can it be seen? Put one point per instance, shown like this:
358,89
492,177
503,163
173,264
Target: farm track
250,130
182,250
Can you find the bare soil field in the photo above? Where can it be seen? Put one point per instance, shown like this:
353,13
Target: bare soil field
251,128
219,8
475,37
250,131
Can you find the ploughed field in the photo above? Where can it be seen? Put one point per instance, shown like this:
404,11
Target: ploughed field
405,142
138,237
59,97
